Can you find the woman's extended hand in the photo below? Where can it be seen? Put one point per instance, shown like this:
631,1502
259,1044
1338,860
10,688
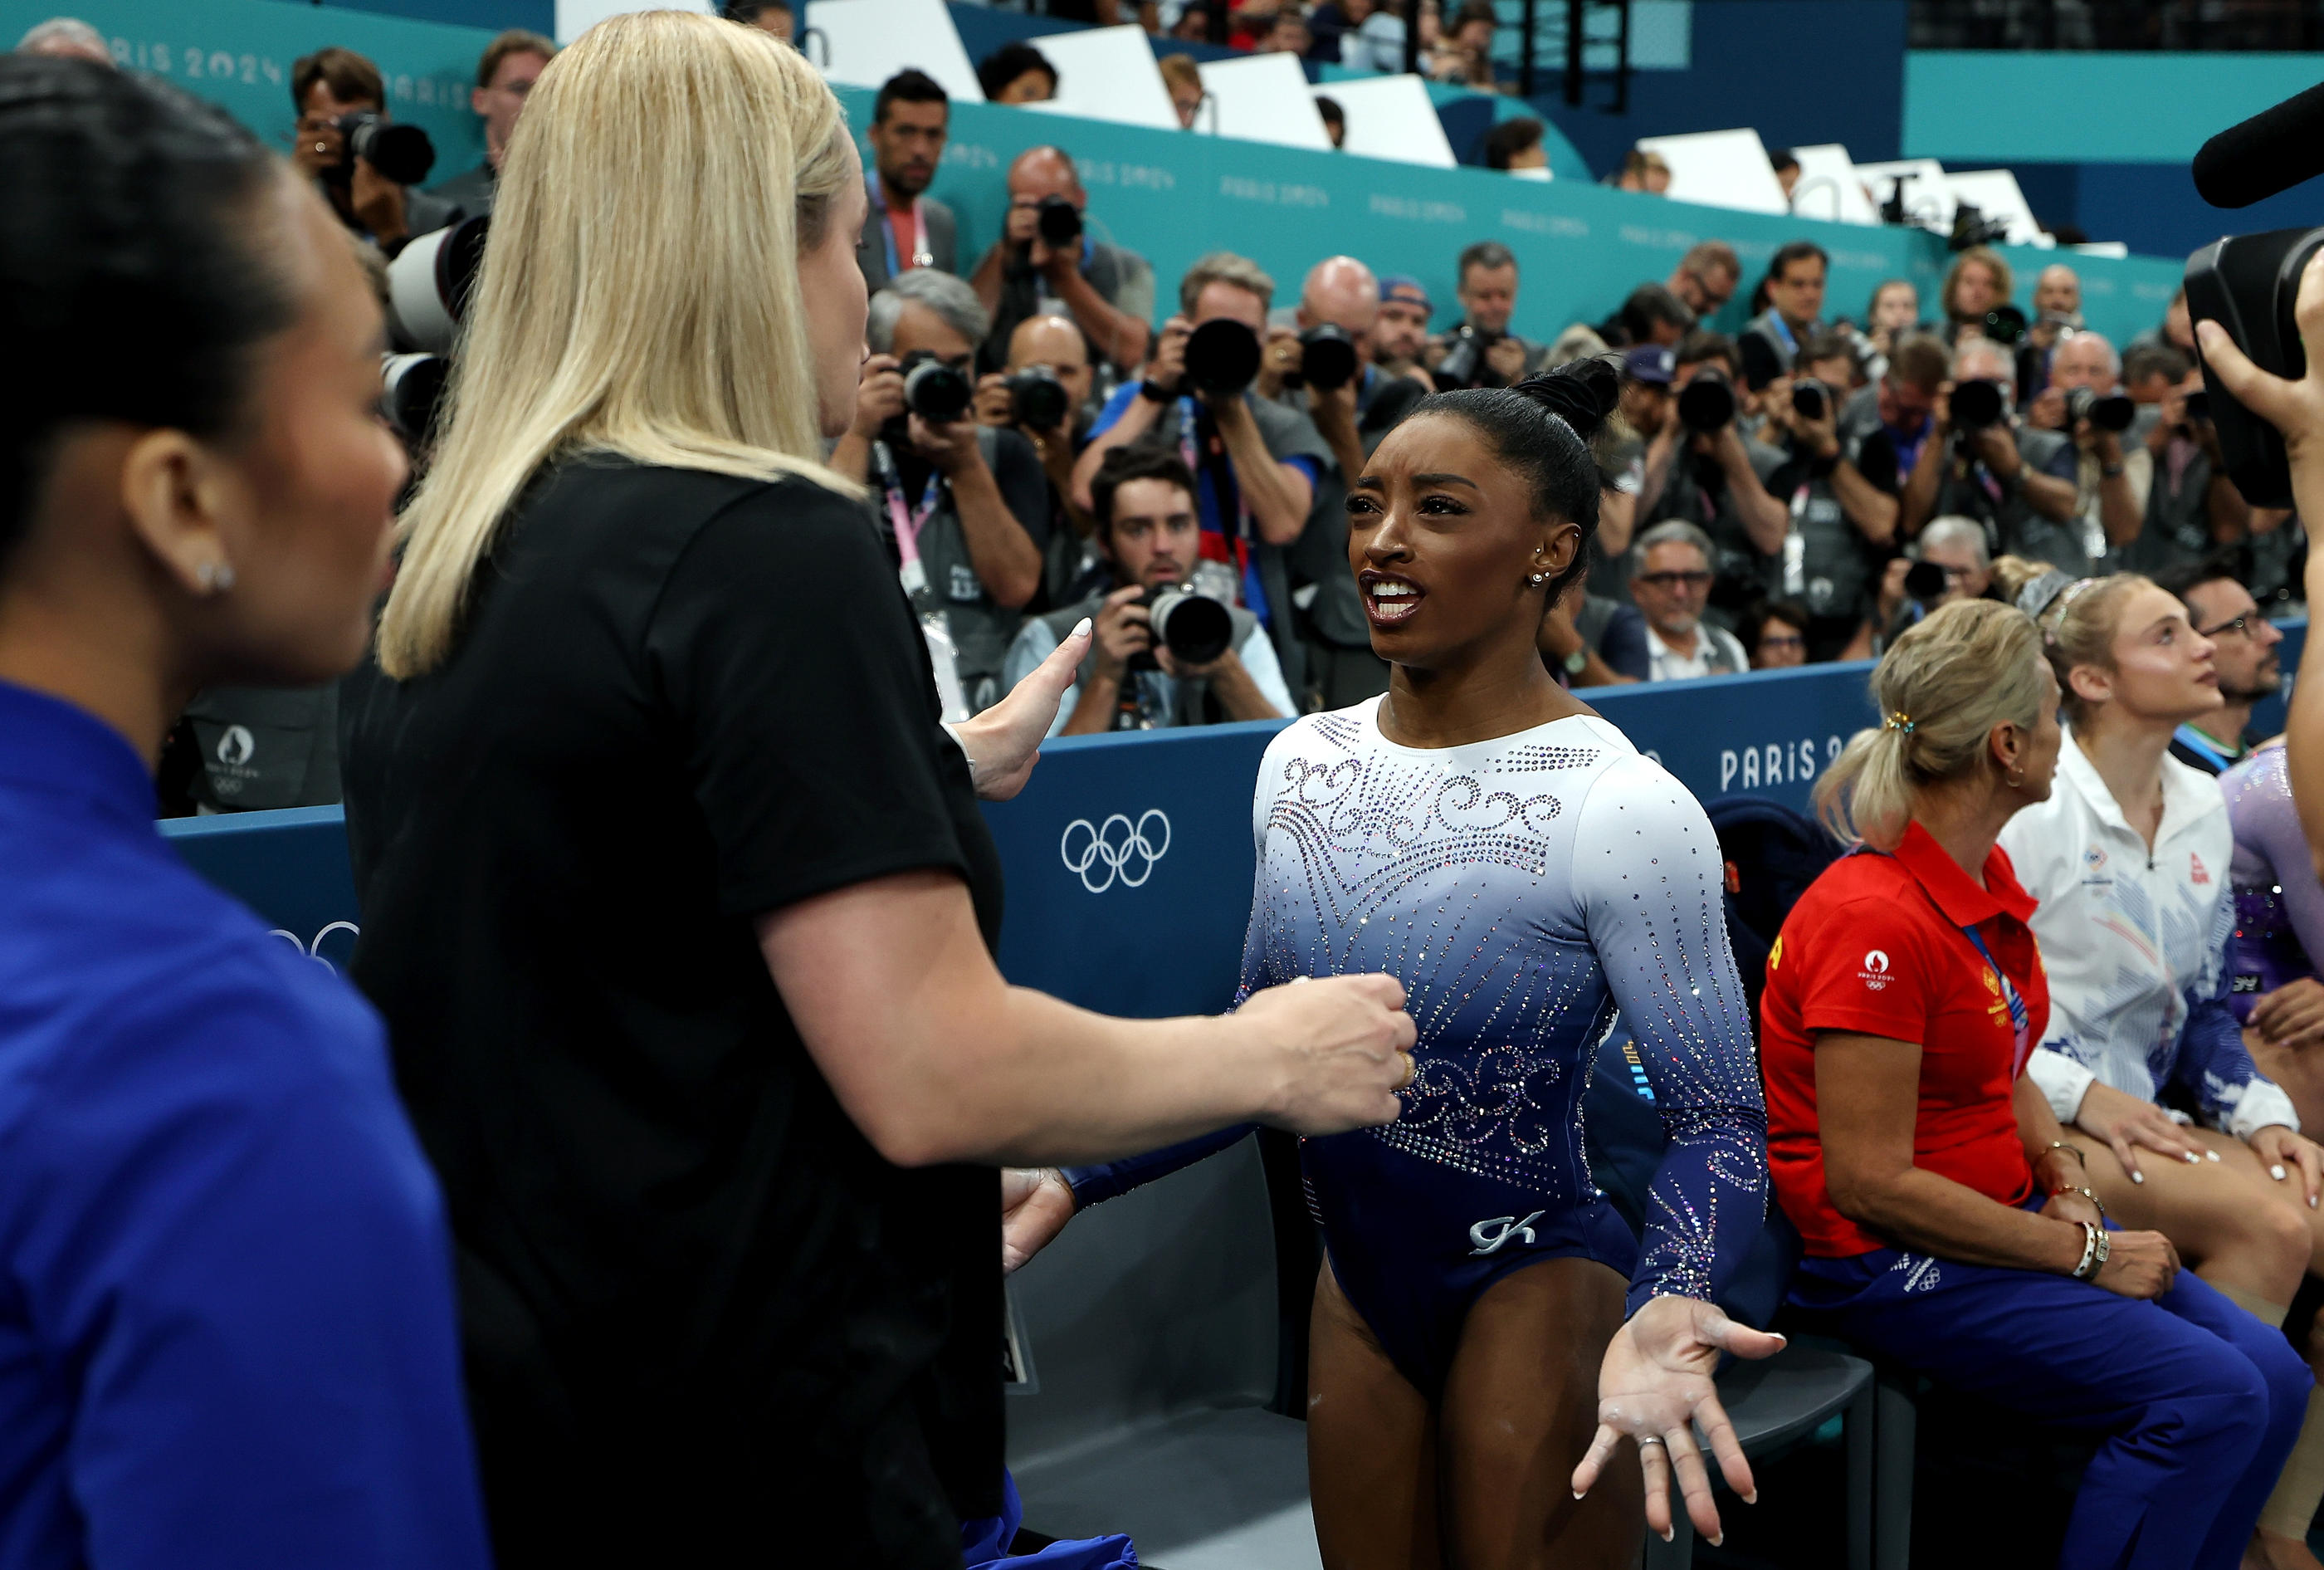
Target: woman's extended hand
2139,1264
1035,1203
2288,1155
2127,1121
1654,1386
2294,408
1343,1045
1004,742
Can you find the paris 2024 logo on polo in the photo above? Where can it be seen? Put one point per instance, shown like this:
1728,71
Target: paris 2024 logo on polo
1118,850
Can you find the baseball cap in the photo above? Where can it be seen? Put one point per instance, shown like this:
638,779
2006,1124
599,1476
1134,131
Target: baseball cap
1405,287
1650,362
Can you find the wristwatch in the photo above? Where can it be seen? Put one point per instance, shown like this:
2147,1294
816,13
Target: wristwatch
1153,392
2110,471
2095,1247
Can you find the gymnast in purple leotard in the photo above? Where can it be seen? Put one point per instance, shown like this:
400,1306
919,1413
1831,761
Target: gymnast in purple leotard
1527,873
2279,927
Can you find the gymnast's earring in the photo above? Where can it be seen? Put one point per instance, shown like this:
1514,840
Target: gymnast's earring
215,576
1537,579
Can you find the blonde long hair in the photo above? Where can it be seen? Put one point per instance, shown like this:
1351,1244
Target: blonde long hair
1941,688
640,293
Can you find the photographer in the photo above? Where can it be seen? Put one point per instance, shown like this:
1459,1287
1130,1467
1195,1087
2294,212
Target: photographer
1949,562
907,228
2086,400
1339,306
1793,290
962,507
1706,278
1399,335
327,88
1045,259
1044,395
1652,315
1976,285
1841,522
1980,461
1481,352
1701,469
1151,538
1258,465
505,73
2057,318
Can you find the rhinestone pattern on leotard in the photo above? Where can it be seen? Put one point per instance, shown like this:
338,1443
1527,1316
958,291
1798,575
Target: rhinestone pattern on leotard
1524,890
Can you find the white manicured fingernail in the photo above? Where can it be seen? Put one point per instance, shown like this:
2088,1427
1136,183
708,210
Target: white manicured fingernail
1577,1493
1751,1498
2276,1173
2192,1159
2139,1176
1080,629
1669,1532
1718,1541
2214,1155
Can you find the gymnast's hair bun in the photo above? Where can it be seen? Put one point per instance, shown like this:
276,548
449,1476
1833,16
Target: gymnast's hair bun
1582,392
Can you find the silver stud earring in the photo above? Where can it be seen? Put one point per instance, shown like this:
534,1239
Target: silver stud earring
216,577
1537,579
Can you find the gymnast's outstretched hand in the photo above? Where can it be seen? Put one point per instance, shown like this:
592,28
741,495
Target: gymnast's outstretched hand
1035,1203
1004,742
1654,1387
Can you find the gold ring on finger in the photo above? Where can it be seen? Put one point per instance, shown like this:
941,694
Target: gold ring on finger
1411,1070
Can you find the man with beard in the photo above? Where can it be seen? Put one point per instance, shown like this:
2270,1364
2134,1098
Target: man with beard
906,228
2243,651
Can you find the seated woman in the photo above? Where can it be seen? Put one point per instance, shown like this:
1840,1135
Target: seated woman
2278,923
1945,1228
2127,861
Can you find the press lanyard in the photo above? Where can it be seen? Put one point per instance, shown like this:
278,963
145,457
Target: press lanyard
921,256
1785,334
1795,545
944,653
1239,543
2203,746
908,525
2021,1022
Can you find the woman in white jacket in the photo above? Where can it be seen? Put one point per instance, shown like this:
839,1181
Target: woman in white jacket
2128,859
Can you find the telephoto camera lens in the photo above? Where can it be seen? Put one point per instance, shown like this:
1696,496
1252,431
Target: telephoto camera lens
1037,399
1464,357
1195,628
1810,398
2104,410
1059,222
1222,356
410,389
1975,405
402,153
1707,402
2004,323
1327,358
429,282
1926,582
933,389
2198,405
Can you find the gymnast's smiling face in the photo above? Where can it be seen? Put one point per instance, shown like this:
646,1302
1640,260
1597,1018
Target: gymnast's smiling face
1445,537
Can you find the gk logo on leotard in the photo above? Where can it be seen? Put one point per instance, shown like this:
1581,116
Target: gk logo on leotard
1489,1240
1116,849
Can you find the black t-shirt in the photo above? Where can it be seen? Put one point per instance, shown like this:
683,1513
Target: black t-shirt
705,1322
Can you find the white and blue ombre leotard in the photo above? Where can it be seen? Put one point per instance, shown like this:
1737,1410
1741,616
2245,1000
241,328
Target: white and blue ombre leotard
1523,890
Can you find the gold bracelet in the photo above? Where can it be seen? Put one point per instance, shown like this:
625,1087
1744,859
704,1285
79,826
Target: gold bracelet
2086,1193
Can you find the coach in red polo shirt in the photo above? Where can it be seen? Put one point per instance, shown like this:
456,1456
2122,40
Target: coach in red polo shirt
1948,1227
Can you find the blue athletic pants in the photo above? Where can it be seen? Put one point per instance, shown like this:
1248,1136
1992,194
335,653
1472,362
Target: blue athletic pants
2197,1403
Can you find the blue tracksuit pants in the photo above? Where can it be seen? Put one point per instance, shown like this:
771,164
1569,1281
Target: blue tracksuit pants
2197,1403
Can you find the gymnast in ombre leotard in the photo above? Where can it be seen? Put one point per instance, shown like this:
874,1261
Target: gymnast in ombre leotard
1526,874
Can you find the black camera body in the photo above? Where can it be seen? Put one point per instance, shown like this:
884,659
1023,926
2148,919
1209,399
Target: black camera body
402,153
1926,582
935,390
1975,405
2105,410
2249,284
1811,398
1328,360
1195,628
1707,402
1464,356
1059,223
1036,399
1221,358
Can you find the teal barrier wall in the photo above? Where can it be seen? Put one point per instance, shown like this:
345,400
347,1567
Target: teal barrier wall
1173,195
2086,106
238,54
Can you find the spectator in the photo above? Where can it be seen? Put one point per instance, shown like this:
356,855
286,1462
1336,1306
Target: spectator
2057,316
505,73
1327,21
1259,468
1108,290
1464,52
1184,78
1289,35
1715,478
2151,372
1652,315
1670,584
2140,959
1193,23
229,1319
1706,278
1943,1227
2015,480
326,86
67,38
1054,347
1775,632
1334,118
907,228
1373,39
1481,352
1142,498
1586,640
1895,310
1517,146
1643,172
1794,288
964,510
1252,22
2186,504
1399,335
1841,522
767,16
1016,73
2243,654
1787,171
1976,285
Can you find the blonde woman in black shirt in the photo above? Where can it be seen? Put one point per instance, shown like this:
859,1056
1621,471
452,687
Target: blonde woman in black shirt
678,899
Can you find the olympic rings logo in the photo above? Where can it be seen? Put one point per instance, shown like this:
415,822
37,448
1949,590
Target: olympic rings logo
1116,849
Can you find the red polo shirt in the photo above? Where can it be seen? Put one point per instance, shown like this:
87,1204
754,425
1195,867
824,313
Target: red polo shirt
1875,948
